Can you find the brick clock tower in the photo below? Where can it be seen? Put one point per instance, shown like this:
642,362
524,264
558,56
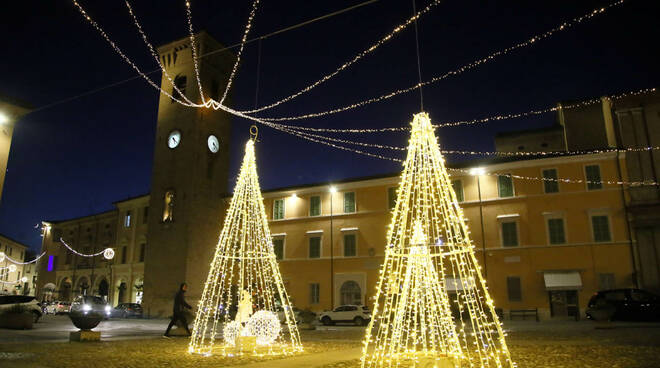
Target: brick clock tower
189,179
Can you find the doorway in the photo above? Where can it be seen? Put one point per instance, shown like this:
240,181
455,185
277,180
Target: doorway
564,304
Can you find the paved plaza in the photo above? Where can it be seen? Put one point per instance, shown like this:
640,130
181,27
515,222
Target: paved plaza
138,343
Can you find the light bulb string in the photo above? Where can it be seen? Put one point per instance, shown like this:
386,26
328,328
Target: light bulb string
153,52
531,41
193,48
14,261
419,61
347,64
79,253
488,119
248,26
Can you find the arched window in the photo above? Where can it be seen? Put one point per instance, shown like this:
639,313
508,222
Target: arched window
350,293
168,209
180,82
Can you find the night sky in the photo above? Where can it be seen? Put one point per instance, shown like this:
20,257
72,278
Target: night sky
77,157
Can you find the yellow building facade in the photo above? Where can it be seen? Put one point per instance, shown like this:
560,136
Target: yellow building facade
543,245
18,281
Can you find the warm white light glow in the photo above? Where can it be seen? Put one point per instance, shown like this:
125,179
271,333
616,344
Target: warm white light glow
244,275
3,118
2,256
24,279
477,171
12,268
333,189
108,253
294,196
413,321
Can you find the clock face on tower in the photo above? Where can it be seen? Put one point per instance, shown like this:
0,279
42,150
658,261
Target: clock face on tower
214,144
174,139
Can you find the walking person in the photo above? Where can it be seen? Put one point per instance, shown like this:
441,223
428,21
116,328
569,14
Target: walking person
178,310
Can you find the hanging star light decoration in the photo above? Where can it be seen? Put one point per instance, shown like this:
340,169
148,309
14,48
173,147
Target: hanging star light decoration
244,289
431,306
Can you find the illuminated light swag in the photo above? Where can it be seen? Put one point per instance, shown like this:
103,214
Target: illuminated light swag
244,273
416,321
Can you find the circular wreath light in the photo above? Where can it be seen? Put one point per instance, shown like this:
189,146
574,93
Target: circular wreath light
265,326
109,253
12,268
2,256
24,279
231,332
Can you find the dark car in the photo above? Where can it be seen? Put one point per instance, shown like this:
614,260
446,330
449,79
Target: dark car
625,305
125,310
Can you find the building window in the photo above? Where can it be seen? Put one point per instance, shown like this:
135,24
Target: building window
67,260
145,215
349,202
592,172
143,247
127,219
123,254
350,293
180,82
350,246
278,209
314,293
510,234
391,197
601,228
11,250
505,186
556,233
458,189
605,281
168,208
278,248
315,247
513,288
550,184
315,206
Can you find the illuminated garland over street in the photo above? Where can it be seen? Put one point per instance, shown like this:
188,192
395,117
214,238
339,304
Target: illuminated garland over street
108,253
244,273
430,254
3,256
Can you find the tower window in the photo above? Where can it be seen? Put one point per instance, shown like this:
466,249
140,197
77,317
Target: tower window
168,208
180,82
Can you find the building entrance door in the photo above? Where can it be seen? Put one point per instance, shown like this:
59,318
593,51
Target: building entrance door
564,304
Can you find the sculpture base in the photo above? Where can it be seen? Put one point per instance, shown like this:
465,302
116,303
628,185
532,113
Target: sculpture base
84,336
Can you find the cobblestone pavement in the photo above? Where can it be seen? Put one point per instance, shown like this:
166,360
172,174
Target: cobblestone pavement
546,344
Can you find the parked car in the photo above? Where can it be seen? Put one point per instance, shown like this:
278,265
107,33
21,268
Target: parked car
125,310
86,304
626,304
358,314
29,302
57,307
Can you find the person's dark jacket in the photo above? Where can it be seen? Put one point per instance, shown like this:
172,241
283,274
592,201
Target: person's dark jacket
180,302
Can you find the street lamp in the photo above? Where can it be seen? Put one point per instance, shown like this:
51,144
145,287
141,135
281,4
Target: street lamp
478,171
332,191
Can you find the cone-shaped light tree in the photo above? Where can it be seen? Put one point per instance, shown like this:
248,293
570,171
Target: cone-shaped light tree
244,291
431,304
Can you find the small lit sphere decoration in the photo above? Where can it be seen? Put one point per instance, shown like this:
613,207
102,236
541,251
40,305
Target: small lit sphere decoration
265,326
231,332
24,279
2,256
109,253
12,268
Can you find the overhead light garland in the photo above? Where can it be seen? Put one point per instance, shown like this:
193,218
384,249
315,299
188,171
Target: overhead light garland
420,316
193,48
347,64
244,288
4,257
108,253
531,41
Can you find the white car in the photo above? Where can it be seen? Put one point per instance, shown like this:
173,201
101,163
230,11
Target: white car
357,314
29,302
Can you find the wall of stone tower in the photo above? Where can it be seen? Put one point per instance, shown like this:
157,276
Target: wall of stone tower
179,250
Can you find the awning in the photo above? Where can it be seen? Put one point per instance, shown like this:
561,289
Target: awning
557,280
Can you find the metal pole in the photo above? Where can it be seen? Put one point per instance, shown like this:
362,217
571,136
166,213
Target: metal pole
332,271
483,231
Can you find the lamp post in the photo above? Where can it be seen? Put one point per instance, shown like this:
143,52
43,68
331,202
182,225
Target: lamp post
478,171
332,190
